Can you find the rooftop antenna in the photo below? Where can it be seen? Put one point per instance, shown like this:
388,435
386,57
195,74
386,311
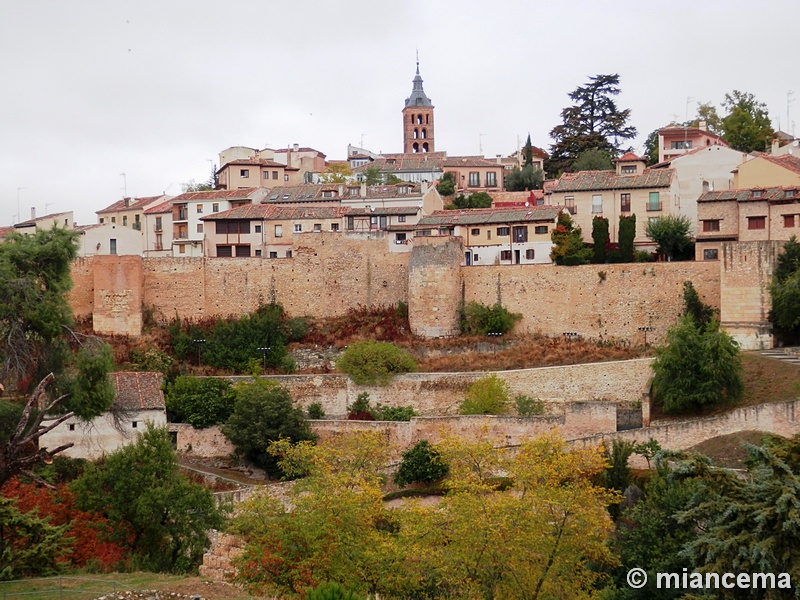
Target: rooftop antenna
124,185
686,123
417,61
46,204
19,214
789,101
480,143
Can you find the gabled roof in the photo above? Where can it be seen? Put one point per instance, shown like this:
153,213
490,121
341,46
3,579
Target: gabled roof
33,222
609,180
504,199
470,161
490,216
412,163
164,207
254,162
771,194
790,162
381,211
670,130
238,194
138,390
275,212
133,204
315,192
630,157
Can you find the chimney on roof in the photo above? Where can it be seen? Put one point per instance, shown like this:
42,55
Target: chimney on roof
362,191
423,187
701,124
33,212
499,160
341,191
775,145
127,201
296,147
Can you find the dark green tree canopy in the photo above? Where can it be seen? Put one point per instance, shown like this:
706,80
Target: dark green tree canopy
447,184
673,236
699,366
474,200
593,121
747,126
525,179
263,413
785,292
593,159
166,515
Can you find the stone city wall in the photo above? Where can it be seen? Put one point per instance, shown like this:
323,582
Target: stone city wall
594,301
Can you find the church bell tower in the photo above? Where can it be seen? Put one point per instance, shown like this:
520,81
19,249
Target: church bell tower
418,120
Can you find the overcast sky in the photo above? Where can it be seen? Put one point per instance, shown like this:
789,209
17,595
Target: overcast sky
155,89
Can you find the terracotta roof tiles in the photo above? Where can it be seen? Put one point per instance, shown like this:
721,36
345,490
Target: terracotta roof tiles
609,180
138,390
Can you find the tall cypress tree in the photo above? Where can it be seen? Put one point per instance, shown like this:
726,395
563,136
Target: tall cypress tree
600,238
627,233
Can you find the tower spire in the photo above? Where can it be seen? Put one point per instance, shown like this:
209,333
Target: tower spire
417,61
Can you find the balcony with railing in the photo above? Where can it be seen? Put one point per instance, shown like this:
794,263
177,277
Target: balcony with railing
654,206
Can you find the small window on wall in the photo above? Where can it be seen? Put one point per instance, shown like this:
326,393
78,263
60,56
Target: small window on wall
503,231
475,231
317,226
273,255
334,227
199,209
134,424
710,254
278,231
788,220
298,228
540,230
505,255
288,254
215,208
711,225
597,203
257,229
530,254
182,249
244,173
199,228
756,222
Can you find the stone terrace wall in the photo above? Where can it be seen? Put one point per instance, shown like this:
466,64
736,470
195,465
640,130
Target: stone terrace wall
780,418
441,393
579,419
555,299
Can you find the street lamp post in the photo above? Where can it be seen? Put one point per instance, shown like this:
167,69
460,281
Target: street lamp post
570,335
496,334
265,349
199,344
645,330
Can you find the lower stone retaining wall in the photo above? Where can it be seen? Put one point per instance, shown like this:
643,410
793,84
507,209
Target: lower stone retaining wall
579,419
780,418
436,394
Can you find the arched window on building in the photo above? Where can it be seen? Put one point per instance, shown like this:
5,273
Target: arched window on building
416,134
415,147
425,147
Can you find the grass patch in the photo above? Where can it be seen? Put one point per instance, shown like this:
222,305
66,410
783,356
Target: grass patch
728,451
88,586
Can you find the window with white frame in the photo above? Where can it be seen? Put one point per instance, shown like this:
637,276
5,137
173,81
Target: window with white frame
597,203
298,228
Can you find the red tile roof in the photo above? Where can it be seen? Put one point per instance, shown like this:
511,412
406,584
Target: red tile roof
629,157
133,204
164,207
481,216
138,390
789,162
772,194
214,194
260,162
609,180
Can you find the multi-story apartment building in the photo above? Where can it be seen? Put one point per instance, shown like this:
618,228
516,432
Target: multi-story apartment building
188,210
630,189
129,212
497,236
675,140
746,215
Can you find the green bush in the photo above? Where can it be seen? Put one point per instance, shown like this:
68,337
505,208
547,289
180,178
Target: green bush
200,401
479,319
374,363
487,396
527,406
394,413
421,464
331,591
233,343
315,411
